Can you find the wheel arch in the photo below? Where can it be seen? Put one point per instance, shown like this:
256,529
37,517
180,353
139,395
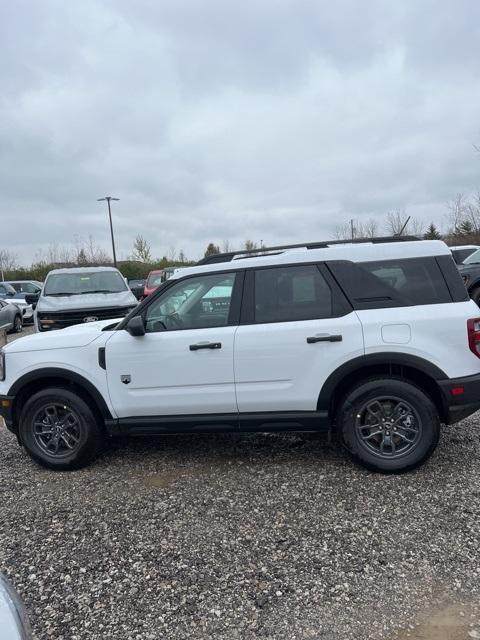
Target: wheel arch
421,372
40,379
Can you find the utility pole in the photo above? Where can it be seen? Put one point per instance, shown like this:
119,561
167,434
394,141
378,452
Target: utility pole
108,198
352,229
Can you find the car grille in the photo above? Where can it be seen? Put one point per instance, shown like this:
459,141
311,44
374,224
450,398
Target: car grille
62,319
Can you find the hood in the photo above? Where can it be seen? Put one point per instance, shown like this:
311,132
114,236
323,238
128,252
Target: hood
78,335
20,302
87,301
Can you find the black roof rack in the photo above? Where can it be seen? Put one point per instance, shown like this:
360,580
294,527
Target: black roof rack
271,251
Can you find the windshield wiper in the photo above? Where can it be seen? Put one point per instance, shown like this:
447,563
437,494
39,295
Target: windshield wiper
82,293
62,293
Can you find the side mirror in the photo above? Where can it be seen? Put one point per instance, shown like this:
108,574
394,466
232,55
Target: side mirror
136,326
32,298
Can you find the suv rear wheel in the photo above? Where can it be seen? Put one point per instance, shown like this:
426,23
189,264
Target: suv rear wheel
388,425
59,430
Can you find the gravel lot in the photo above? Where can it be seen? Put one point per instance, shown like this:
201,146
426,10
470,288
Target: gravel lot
245,536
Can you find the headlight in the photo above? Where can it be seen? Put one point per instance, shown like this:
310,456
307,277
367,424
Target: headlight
13,621
2,365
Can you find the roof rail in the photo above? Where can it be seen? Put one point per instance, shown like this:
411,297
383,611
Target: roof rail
264,251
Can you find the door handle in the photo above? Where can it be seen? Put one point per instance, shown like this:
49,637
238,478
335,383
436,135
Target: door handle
205,345
327,338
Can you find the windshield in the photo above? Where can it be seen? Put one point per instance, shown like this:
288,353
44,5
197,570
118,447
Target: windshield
69,284
473,258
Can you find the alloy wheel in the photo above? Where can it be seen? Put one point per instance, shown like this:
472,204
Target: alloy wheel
388,427
57,430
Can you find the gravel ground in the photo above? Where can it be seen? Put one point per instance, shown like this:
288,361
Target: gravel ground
245,536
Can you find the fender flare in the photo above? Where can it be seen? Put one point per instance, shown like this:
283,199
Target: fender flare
65,374
375,359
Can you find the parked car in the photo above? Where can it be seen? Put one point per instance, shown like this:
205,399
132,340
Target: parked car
26,286
10,317
14,624
156,278
137,287
462,252
375,341
10,295
7,291
470,272
79,295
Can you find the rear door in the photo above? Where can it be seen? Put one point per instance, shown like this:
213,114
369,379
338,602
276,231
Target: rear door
296,329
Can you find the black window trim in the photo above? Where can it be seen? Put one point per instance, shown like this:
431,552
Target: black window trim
340,304
394,302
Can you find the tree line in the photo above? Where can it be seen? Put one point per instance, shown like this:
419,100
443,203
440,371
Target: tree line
461,226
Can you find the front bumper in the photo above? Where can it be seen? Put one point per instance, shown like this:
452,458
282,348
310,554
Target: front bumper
461,397
6,411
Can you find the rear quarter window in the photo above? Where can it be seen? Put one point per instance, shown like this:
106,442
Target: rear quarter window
392,283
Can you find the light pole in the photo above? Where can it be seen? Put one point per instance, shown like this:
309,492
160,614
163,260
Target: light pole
108,198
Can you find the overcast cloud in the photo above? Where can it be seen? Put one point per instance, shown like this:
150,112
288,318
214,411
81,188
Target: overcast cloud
215,120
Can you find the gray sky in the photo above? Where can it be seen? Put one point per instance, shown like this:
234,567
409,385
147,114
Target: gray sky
215,120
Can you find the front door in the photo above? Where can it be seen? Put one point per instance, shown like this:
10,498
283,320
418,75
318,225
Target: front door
183,365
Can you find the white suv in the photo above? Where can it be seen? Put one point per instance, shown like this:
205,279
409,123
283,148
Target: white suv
376,341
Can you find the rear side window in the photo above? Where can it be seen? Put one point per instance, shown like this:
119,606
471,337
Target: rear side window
392,283
284,294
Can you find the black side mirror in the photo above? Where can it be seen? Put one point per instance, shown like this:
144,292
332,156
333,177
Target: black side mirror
136,326
32,298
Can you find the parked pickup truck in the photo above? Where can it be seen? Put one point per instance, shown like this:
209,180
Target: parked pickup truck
81,294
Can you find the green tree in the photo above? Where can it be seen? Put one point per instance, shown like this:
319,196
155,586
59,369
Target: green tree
465,228
432,233
212,249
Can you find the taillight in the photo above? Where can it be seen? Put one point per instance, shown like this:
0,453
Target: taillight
473,329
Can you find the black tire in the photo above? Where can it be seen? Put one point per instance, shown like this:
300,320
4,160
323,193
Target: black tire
82,431
475,295
17,324
388,425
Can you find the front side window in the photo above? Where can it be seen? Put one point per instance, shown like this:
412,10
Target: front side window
68,284
195,303
284,294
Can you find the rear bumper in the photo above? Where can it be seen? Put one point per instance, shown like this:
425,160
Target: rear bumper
461,397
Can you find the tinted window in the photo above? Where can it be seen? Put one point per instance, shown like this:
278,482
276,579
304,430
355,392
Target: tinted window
459,255
473,258
195,303
25,287
285,294
386,283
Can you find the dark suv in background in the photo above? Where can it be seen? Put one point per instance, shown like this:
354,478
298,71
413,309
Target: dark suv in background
470,272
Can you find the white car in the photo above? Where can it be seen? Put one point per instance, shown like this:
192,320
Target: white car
81,294
25,308
377,342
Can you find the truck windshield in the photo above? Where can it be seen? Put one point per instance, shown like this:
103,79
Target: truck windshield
70,284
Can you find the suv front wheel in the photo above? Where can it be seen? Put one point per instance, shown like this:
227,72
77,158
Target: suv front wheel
388,425
59,430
